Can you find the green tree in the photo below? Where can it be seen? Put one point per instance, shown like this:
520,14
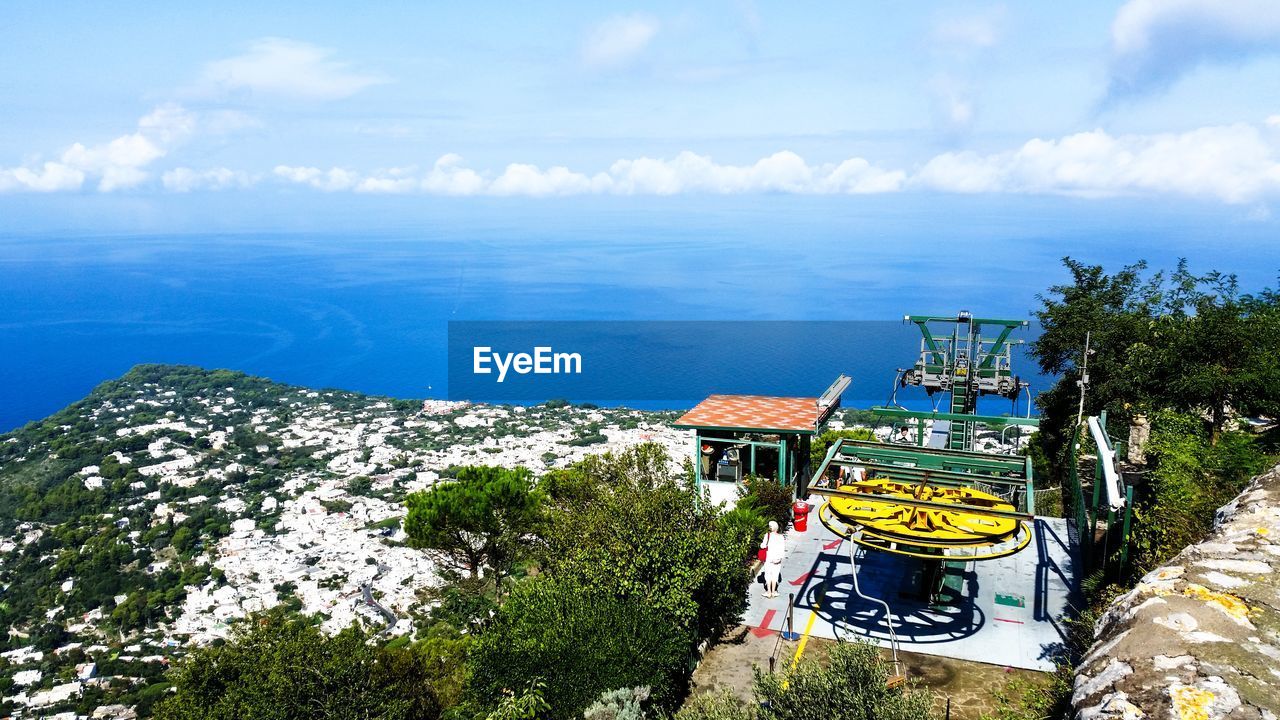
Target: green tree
1181,341
110,468
652,540
820,444
485,517
184,538
1190,477
1115,310
1224,357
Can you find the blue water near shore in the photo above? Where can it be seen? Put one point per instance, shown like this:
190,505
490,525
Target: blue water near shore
368,310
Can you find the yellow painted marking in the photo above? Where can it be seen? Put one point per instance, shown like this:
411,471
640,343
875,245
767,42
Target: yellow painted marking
804,639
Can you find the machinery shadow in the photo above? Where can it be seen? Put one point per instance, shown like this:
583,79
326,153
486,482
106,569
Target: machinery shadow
1046,566
829,591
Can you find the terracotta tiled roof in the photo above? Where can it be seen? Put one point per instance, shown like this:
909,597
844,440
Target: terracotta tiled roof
754,412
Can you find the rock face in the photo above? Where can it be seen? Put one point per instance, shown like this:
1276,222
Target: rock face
1199,637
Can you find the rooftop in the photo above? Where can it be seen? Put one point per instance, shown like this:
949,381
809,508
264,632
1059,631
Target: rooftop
756,412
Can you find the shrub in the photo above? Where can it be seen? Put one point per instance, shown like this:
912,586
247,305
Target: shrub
279,666
747,523
853,686
769,498
638,572
714,706
621,704
1047,696
580,640
1190,479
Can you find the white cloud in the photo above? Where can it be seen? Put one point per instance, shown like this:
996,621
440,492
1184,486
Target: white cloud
783,172
958,44
49,177
1232,163
118,164
449,177
289,68
1154,42
168,124
521,179
1235,164
969,31
184,179
618,40
331,180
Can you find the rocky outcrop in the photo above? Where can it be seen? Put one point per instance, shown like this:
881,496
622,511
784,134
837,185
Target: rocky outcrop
1199,637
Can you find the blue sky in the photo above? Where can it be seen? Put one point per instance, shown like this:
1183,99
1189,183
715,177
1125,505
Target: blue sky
116,105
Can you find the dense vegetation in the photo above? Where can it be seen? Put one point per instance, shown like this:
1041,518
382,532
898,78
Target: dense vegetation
1177,341
1192,355
638,552
280,666
617,572
100,546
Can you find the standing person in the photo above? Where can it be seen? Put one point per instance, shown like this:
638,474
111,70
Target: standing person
775,546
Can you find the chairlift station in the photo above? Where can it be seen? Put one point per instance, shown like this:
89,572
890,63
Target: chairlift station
924,543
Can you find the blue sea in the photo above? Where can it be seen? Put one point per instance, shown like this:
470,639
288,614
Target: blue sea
361,302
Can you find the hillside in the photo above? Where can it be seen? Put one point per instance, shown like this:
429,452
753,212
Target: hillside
142,519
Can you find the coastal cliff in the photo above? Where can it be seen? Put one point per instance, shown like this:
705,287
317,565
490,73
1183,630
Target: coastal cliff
1198,637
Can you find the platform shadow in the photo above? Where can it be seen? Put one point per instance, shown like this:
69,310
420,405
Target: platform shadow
829,591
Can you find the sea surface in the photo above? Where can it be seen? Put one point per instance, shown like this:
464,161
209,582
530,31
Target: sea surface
368,310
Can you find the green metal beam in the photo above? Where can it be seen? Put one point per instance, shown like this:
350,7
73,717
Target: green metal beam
917,319
960,417
934,458
917,474
913,502
963,466
933,344
922,475
996,347
740,441
697,464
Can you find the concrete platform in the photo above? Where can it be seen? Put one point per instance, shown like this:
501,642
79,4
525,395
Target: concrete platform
1006,612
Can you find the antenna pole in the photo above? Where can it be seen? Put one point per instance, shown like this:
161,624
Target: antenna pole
1083,382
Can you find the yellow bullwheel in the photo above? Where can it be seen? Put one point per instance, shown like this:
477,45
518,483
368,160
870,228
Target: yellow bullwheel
925,521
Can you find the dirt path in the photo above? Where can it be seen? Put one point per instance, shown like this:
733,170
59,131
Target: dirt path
969,685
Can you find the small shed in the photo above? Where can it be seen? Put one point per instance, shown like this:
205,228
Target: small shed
761,435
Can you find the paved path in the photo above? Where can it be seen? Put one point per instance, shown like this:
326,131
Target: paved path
389,616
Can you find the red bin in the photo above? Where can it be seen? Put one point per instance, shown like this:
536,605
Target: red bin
801,513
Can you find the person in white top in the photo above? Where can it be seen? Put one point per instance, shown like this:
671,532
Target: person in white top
775,546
